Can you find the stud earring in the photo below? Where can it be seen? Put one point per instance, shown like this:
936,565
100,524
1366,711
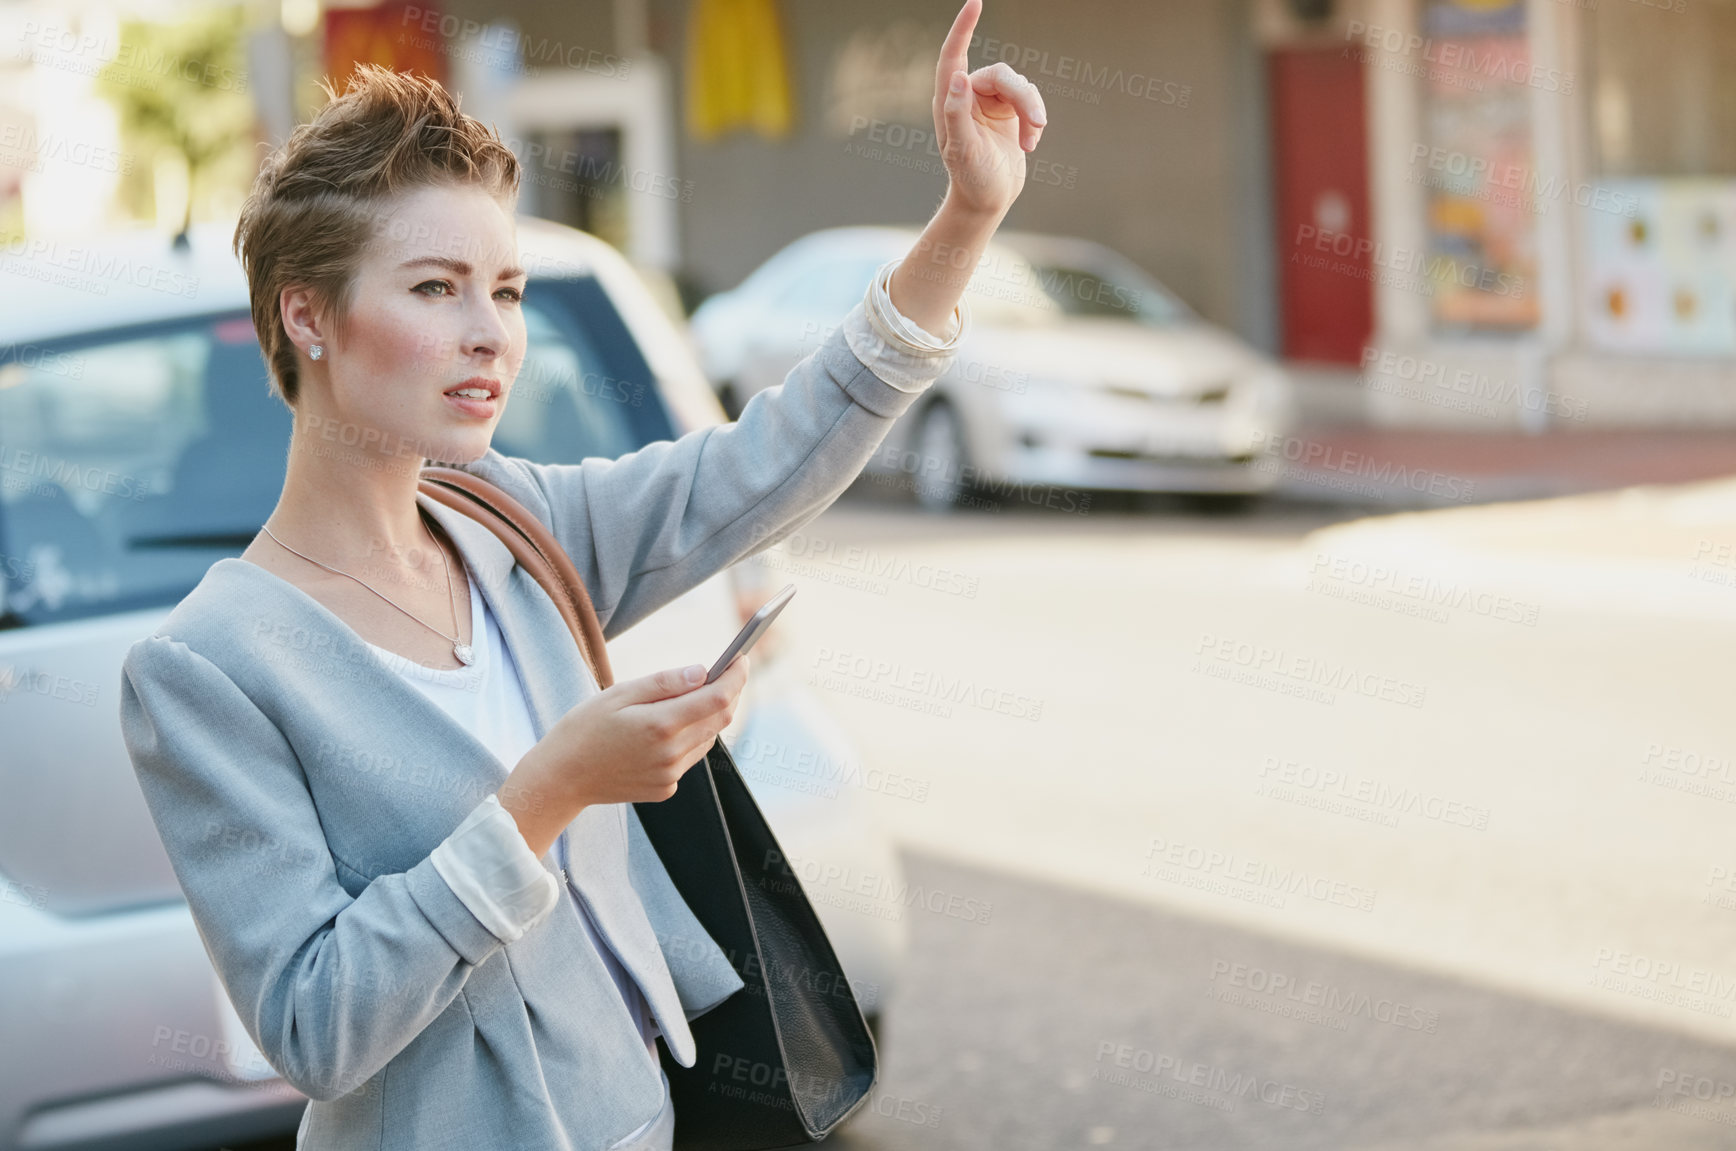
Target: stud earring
316,351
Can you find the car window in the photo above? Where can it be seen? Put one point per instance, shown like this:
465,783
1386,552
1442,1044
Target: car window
1006,290
1088,292
132,461
129,464
584,388
827,291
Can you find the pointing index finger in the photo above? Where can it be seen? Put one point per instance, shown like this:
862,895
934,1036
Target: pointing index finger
955,53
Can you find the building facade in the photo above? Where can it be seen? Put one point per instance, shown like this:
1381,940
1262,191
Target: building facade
1550,240
1491,214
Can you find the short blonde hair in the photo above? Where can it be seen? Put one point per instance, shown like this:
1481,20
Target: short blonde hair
316,200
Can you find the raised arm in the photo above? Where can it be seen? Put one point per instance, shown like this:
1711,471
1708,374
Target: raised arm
645,528
329,987
984,121
657,522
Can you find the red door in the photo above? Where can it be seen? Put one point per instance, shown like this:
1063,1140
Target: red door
1325,238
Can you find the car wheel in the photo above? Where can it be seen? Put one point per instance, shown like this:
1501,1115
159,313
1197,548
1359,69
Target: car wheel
940,481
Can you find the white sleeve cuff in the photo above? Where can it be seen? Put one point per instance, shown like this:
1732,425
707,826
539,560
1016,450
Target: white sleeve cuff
893,346
490,868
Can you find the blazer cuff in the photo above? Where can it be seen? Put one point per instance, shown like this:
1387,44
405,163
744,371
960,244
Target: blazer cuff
893,346
490,868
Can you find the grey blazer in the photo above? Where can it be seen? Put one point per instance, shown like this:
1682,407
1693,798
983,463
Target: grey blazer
299,786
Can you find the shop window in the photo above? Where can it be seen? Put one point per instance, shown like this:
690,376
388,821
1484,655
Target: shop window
1665,88
1660,235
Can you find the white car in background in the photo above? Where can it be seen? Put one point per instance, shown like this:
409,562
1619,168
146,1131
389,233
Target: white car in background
140,446
1080,372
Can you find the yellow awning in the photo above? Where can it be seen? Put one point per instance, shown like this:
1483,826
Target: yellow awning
737,76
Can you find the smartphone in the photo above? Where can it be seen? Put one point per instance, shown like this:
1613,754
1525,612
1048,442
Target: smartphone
752,630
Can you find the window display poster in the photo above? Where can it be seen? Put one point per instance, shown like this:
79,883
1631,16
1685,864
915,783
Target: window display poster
1482,199
1661,279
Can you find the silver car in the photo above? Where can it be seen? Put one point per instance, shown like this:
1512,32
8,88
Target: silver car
1080,373
139,445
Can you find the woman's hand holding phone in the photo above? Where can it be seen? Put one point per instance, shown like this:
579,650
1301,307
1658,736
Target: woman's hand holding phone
631,743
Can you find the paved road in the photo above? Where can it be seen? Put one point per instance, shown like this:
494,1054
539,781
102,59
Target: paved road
1029,1033
1490,742
1490,746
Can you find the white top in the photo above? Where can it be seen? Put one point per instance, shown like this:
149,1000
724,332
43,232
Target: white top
487,698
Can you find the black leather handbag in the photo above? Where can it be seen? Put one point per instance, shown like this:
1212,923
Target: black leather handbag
787,1058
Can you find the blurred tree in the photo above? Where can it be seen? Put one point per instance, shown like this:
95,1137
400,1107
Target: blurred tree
183,89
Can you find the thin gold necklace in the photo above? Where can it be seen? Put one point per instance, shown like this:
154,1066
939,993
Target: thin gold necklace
462,651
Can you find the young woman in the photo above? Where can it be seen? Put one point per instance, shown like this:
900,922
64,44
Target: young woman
398,804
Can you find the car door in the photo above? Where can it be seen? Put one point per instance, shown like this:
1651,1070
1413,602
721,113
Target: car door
129,463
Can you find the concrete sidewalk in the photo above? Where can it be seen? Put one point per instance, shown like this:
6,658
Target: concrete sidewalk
1339,454
1403,467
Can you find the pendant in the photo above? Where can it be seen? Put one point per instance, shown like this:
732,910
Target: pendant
464,654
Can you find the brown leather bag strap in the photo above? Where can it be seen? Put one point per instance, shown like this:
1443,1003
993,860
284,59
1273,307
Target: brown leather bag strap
535,549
